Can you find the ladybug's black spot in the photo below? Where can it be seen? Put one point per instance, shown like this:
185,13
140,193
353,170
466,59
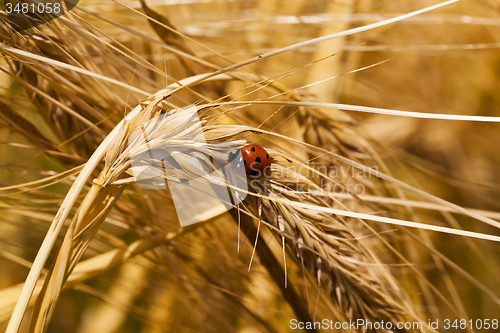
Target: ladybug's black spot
253,149
258,161
267,155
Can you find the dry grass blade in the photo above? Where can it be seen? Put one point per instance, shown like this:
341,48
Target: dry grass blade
366,109
63,65
96,265
49,241
78,237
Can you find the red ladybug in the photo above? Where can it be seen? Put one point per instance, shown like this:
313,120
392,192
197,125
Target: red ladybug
256,160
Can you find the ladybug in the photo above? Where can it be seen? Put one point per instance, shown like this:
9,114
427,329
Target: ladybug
255,159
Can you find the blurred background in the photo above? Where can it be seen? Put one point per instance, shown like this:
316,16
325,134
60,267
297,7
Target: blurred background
444,61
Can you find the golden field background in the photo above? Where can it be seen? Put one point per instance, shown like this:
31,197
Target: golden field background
446,61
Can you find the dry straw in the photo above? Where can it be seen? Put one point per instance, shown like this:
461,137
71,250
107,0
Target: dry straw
326,258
